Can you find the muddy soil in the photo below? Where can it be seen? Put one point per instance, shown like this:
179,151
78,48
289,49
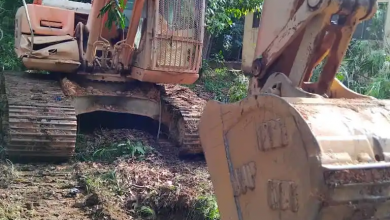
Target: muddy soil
38,192
145,180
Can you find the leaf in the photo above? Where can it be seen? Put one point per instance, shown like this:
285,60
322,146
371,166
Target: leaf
340,77
113,9
122,4
140,150
105,9
121,18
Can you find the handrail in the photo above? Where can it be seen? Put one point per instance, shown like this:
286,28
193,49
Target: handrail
29,24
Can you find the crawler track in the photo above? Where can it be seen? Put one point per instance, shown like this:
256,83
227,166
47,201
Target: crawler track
37,120
186,108
180,104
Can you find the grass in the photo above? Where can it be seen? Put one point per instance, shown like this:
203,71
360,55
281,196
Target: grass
8,173
8,210
109,152
154,201
96,181
222,85
227,86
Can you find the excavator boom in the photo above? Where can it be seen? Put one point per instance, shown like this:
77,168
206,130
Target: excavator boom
295,149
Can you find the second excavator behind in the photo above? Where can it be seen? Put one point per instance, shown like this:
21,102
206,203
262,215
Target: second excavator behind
295,149
94,67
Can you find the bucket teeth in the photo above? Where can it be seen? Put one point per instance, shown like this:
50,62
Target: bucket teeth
37,120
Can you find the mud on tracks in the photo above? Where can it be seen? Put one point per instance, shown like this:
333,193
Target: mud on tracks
187,109
36,117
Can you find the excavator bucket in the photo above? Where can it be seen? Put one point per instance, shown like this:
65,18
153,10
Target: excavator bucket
299,158
295,149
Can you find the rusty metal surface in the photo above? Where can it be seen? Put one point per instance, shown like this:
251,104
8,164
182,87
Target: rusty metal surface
37,119
179,38
184,108
176,54
172,54
299,158
127,55
283,153
292,44
180,107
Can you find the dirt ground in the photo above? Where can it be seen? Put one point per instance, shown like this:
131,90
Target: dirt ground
117,174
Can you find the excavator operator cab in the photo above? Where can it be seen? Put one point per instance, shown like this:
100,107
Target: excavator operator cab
159,37
161,42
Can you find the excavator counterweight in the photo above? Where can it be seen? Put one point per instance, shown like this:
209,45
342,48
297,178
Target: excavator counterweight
295,149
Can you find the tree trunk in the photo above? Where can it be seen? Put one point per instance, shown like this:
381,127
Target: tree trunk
206,45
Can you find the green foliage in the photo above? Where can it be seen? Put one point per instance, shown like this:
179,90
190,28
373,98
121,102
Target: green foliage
114,15
119,149
368,69
109,152
219,13
225,85
366,65
239,90
218,57
97,181
225,23
208,207
147,212
365,69
228,45
7,12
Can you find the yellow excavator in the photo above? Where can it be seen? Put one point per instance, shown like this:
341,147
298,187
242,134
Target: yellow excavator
295,149
94,67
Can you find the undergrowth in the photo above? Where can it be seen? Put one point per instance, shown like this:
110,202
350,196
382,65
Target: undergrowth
7,13
109,152
225,85
159,202
365,69
136,178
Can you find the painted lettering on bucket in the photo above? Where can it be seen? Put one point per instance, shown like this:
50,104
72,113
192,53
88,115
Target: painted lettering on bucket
244,178
272,135
282,195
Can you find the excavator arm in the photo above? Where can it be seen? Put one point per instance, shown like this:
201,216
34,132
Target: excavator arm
294,149
314,36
